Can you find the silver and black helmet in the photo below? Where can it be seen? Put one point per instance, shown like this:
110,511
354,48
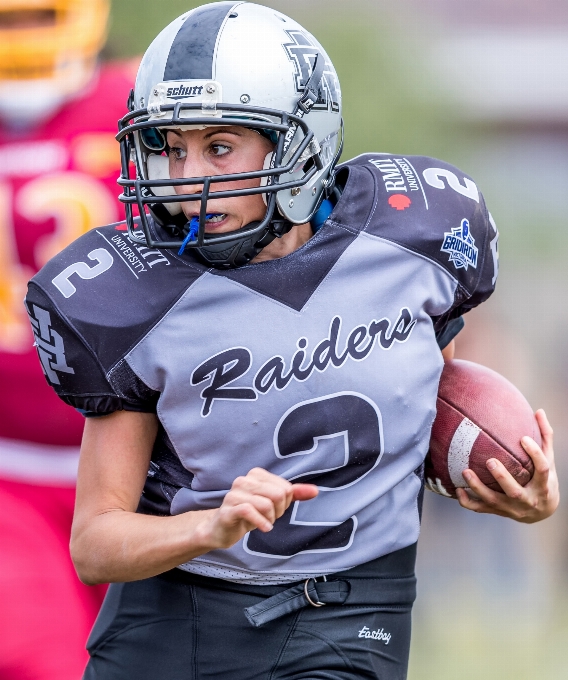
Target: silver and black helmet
231,63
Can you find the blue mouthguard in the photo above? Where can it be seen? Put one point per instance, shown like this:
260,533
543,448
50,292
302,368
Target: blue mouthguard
192,233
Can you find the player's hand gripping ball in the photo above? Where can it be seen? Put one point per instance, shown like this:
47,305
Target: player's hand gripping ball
480,415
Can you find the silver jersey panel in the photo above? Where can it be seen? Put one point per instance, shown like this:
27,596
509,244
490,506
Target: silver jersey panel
393,390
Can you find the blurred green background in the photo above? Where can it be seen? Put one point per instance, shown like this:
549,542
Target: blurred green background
378,74
483,85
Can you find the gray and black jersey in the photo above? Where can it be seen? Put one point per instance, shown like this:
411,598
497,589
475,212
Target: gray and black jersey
321,366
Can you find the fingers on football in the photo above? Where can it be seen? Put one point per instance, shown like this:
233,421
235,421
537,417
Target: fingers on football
505,480
490,500
466,501
470,503
478,505
543,459
540,461
546,433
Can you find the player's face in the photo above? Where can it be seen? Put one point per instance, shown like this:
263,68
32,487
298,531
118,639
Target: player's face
220,151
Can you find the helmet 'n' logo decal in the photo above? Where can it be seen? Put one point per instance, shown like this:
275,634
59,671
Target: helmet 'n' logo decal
302,53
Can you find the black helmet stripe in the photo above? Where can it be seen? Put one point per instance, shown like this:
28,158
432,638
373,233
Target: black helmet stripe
192,51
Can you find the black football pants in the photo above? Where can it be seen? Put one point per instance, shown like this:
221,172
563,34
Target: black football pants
178,626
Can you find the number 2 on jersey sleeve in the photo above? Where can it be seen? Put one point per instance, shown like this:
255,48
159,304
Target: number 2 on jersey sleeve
435,178
349,415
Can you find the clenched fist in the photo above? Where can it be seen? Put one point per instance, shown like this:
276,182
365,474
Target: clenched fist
255,501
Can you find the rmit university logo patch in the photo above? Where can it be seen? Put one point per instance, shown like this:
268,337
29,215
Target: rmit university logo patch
302,53
460,245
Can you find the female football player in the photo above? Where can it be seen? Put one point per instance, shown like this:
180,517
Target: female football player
258,355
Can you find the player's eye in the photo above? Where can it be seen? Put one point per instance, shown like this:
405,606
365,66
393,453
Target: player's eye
177,153
220,149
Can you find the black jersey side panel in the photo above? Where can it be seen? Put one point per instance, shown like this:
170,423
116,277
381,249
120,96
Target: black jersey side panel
437,211
68,365
90,305
112,291
75,372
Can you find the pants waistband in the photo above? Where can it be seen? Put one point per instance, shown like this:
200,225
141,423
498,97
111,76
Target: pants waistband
386,581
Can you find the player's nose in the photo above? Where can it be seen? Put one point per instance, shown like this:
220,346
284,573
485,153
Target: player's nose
194,168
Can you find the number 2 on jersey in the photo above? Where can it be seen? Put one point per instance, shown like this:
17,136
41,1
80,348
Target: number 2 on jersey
435,178
346,414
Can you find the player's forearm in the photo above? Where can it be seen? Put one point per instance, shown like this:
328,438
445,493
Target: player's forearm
120,546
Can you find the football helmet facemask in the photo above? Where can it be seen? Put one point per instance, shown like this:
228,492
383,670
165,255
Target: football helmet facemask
231,63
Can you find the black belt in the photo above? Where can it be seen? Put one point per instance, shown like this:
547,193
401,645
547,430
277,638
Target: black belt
399,592
376,583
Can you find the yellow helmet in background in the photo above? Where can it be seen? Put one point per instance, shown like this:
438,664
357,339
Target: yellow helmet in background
48,52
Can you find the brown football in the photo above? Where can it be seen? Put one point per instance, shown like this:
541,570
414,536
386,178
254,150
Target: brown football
480,415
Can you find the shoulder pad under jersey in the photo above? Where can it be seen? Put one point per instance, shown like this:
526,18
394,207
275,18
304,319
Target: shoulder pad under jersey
92,303
434,210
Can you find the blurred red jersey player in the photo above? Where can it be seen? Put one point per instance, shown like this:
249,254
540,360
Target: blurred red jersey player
58,169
